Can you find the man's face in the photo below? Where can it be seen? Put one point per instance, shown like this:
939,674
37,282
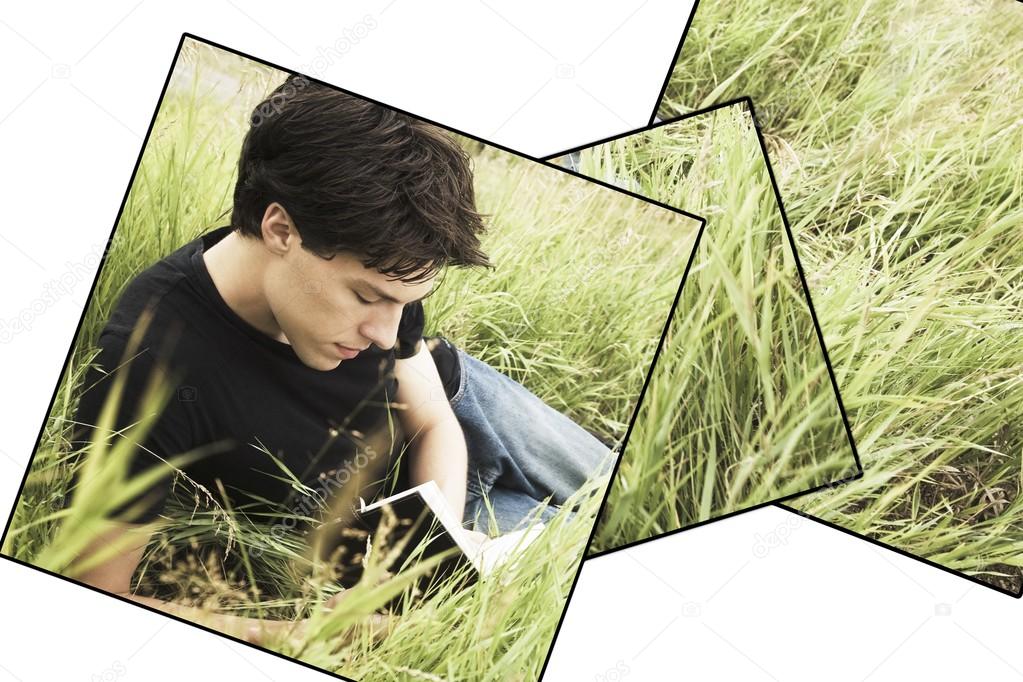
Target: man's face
331,309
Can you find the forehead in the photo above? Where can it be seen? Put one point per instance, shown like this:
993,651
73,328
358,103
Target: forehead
349,269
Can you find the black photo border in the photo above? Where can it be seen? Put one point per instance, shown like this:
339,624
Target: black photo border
748,103
177,53
780,502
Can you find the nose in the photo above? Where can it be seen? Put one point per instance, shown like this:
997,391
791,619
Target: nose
382,326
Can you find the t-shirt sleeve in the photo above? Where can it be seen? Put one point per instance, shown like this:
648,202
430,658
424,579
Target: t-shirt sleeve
170,433
410,331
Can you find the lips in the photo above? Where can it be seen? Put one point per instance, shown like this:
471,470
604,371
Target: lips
346,352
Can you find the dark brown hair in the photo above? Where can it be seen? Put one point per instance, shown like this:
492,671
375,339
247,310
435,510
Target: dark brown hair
356,176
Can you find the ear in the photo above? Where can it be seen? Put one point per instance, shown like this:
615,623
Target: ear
278,230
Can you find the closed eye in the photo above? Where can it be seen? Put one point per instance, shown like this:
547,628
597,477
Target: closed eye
363,300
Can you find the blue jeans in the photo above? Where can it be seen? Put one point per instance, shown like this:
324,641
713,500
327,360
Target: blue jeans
525,457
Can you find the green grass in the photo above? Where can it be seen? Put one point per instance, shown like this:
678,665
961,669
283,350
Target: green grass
895,130
584,282
740,409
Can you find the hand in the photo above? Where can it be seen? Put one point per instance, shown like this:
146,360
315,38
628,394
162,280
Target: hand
474,538
296,633
378,623
265,632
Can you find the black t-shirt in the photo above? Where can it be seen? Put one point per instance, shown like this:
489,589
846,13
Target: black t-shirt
236,386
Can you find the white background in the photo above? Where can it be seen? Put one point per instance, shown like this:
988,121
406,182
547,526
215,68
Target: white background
80,86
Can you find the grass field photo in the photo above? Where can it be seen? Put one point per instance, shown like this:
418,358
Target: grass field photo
585,278
894,128
741,409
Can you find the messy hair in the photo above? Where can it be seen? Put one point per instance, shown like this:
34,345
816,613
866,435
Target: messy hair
358,177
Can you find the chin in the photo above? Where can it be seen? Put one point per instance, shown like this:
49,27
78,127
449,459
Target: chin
318,361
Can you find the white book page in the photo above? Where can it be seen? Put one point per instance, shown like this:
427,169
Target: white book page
496,551
363,507
435,500
486,555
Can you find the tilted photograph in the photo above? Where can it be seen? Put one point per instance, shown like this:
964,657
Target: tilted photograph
742,408
894,130
349,384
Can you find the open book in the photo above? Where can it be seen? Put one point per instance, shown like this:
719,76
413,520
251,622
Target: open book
426,523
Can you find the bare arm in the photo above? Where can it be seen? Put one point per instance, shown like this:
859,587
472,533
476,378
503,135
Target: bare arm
437,442
114,576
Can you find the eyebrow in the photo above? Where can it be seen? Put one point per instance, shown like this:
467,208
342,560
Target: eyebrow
387,297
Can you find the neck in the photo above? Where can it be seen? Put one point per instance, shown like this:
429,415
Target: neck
236,265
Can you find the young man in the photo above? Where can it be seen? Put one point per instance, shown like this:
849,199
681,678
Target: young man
294,336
